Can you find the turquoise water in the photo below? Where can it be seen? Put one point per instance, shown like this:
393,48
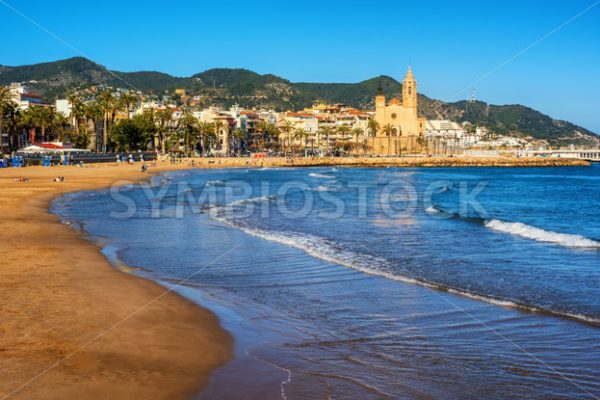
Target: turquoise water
376,283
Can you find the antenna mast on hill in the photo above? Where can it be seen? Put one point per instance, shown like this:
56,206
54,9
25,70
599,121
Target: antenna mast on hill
473,97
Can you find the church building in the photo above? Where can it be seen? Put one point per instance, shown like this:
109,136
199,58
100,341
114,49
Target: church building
401,117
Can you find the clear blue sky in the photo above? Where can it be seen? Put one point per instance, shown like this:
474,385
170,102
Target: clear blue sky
449,44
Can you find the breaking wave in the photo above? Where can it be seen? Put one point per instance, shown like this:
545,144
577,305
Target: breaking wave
335,253
323,188
322,176
523,230
541,235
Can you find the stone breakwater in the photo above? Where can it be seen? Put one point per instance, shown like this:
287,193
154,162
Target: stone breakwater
387,162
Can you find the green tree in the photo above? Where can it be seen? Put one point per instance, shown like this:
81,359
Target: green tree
106,102
373,127
77,111
388,130
188,131
38,118
326,131
343,131
92,113
10,124
6,103
207,136
128,101
302,135
287,128
357,132
164,117
131,134
270,136
60,127
238,136
81,139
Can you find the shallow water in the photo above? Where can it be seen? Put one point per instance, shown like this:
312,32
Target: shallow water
377,283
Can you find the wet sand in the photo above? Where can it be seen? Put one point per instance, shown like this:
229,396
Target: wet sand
72,326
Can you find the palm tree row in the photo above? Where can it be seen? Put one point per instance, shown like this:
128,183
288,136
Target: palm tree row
157,129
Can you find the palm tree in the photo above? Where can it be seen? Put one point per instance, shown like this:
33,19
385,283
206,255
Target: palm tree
373,127
302,135
287,127
189,131
40,117
218,126
260,129
238,135
271,135
357,132
326,131
92,113
207,132
127,101
59,126
106,101
422,142
6,102
164,118
388,130
10,123
343,131
77,111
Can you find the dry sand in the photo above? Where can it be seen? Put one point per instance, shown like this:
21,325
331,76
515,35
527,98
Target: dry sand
60,295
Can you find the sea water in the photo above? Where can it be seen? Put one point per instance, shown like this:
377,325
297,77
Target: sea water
352,283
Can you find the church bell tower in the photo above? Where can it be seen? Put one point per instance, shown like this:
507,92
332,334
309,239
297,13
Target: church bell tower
409,90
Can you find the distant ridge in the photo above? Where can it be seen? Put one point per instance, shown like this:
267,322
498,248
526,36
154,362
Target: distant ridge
225,86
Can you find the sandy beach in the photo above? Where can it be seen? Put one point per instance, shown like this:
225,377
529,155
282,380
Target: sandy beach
70,324
60,296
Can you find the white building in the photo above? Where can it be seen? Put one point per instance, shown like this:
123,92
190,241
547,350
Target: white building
22,97
441,128
63,106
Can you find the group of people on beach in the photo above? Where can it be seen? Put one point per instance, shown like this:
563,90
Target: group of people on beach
21,178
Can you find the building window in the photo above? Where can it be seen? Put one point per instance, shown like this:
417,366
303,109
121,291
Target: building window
394,115
409,90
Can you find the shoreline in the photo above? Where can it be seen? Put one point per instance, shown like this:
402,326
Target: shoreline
55,302
63,302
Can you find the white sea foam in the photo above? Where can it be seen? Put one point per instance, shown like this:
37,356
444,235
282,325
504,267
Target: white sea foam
327,250
541,235
323,176
432,210
251,200
324,188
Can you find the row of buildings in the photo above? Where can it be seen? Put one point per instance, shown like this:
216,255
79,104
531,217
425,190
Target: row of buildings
394,127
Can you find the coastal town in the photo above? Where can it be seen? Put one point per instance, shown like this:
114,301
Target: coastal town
102,119
285,201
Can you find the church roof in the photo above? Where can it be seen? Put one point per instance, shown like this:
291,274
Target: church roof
409,74
395,102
